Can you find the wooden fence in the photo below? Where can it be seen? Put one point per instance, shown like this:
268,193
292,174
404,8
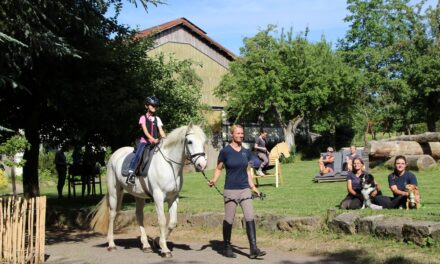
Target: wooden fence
22,229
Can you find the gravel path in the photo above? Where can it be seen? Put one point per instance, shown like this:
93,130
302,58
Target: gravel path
70,247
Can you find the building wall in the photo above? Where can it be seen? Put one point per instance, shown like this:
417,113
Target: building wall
209,65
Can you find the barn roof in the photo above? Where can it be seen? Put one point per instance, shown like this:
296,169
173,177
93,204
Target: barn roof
183,22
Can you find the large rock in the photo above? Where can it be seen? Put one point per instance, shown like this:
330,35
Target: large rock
391,228
206,219
419,231
345,223
299,223
268,222
367,225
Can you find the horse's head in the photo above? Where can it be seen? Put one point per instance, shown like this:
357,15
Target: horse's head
194,144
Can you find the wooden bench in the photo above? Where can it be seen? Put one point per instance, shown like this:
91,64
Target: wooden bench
281,149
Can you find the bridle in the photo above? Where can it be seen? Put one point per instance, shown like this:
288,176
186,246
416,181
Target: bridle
192,157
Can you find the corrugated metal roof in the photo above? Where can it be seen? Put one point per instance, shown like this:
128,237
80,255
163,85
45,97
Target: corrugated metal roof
191,27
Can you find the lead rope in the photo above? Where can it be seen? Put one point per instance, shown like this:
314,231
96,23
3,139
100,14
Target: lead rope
215,186
254,195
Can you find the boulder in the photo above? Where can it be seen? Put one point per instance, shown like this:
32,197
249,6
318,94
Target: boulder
299,223
268,222
367,225
419,231
344,223
391,228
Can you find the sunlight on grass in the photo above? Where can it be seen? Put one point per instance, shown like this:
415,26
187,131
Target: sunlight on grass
299,195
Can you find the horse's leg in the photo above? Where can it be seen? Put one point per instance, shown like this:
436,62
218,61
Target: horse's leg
140,202
162,220
115,198
173,216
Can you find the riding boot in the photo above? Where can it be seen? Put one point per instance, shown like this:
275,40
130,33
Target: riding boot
252,237
227,230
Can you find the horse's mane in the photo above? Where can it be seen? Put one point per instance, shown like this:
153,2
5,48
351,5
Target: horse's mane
178,135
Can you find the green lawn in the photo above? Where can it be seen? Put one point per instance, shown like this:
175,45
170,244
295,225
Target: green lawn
299,195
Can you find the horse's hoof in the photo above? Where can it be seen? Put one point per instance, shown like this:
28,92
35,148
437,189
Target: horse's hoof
166,255
147,250
111,249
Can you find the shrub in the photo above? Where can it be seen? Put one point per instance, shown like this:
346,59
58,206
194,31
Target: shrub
46,165
3,179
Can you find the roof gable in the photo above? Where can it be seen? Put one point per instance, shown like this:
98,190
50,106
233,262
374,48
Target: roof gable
198,32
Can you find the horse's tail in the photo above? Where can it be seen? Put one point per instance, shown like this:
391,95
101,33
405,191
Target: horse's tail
100,216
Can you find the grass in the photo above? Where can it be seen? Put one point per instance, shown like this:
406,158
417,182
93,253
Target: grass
298,196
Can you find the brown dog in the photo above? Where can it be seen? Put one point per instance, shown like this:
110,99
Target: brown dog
413,200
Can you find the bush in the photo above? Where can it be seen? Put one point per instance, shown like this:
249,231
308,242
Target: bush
290,159
46,166
3,179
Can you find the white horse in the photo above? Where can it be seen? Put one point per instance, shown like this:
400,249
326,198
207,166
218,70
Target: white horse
163,183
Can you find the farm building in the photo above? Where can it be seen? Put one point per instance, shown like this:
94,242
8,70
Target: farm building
184,40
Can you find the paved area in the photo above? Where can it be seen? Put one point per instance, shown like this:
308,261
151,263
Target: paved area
64,247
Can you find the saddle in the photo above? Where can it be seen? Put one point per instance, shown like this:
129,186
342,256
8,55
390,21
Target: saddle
143,163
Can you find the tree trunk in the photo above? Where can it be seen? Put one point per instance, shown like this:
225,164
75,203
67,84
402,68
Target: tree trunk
13,181
432,111
387,149
289,131
414,162
30,170
420,138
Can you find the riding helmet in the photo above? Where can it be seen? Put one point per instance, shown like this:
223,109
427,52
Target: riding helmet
152,100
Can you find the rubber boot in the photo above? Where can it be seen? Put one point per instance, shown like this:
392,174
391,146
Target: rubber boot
252,237
227,230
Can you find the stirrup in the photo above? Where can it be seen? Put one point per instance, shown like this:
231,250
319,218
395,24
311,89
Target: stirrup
131,179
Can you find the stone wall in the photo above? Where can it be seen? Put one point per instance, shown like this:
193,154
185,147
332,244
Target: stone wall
422,233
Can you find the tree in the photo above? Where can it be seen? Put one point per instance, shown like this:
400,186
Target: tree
421,67
383,42
14,145
68,72
287,79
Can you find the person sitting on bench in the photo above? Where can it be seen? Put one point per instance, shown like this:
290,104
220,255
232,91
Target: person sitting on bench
262,152
326,162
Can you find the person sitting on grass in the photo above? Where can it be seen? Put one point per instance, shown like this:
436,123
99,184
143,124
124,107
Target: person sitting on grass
326,162
354,198
397,182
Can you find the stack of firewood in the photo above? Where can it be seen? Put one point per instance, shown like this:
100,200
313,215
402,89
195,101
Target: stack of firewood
421,151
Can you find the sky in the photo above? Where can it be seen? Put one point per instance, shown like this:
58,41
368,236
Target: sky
229,21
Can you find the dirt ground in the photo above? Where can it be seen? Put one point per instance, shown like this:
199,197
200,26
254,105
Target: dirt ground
187,246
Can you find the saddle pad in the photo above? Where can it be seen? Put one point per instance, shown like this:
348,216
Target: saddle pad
143,167
126,164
